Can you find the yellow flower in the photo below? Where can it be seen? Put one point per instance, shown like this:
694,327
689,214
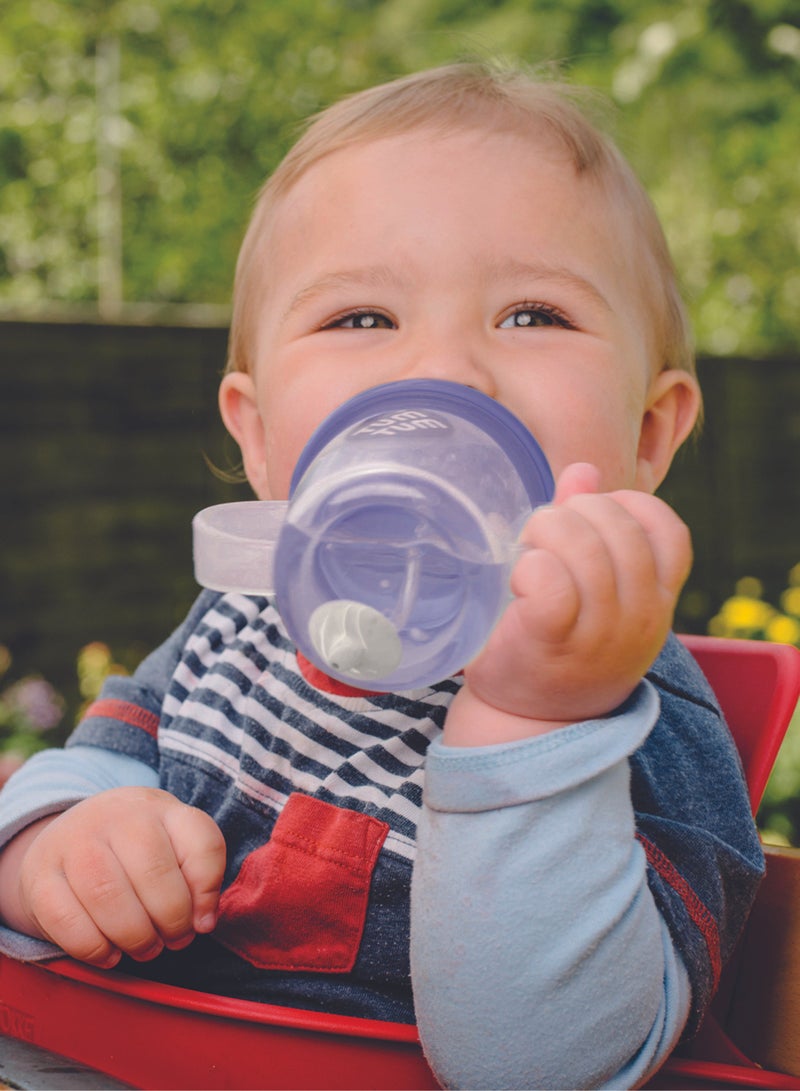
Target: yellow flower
749,587
95,663
783,630
93,658
717,626
790,600
743,612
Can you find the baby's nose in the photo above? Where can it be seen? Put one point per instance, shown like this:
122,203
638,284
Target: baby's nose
458,364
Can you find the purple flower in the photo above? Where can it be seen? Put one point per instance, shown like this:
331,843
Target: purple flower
36,700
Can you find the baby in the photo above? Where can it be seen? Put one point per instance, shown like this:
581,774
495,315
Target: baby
582,848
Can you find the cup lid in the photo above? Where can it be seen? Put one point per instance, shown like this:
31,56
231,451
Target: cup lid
499,423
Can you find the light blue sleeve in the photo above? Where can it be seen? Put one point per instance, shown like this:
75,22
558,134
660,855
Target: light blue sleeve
538,957
49,783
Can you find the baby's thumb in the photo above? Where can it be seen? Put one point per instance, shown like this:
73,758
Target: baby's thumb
579,477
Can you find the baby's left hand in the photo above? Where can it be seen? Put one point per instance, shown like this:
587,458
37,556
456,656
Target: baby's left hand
595,591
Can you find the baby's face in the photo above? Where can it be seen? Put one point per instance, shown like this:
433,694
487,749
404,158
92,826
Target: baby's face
478,258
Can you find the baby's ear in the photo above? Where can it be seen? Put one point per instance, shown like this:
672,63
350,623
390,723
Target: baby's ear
238,406
673,403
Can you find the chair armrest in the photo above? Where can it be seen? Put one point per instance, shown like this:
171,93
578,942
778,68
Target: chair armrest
763,1017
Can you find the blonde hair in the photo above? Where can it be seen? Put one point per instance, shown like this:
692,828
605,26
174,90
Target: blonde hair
469,96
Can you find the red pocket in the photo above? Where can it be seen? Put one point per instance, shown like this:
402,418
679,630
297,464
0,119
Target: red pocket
300,901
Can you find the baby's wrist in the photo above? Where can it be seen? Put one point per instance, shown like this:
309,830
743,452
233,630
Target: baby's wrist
471,721
12,912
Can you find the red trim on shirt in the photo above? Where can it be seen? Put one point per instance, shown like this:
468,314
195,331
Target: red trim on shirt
126,712
321,681
699,913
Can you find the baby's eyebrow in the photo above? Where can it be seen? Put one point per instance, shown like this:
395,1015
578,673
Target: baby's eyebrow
505,270
369,276
510,270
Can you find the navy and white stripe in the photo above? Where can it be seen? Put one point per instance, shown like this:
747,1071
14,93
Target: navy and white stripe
239,706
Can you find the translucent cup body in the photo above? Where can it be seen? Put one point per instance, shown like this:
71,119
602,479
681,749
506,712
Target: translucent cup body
393,563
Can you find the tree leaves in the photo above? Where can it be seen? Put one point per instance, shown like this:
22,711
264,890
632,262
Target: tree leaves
210,95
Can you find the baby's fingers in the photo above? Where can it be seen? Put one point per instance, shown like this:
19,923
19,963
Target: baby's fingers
577,478
129,883
148,904
199,849
62,919
668,536
547,598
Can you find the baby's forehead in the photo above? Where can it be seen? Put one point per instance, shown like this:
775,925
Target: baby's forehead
601,196
430,133
309,178
298,202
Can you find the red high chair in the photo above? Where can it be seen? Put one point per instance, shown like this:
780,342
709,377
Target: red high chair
151,1035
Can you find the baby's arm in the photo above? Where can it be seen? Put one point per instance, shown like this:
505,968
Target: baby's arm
130,870
538,955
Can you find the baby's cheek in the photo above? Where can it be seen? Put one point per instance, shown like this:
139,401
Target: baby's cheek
281,456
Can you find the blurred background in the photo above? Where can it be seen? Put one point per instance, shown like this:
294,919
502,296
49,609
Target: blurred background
134,135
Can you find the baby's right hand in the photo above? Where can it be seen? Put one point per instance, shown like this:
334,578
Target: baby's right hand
130,870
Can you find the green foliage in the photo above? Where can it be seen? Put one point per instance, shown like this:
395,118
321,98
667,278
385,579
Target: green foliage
209,95
779,814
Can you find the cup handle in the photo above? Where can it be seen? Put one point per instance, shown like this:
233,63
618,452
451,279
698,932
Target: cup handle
234,545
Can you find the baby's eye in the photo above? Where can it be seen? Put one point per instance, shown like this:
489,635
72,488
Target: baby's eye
361,320
539,314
